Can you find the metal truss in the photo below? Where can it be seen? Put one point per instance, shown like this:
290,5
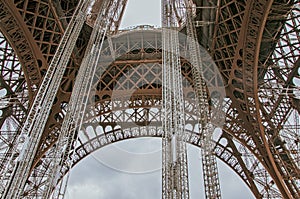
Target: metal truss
209,162
254,44
40,109
77,105
13,102
248,57
175,183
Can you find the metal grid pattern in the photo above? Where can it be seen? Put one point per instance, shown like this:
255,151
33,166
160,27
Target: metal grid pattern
268,30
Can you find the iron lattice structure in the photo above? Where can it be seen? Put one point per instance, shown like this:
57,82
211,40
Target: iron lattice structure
255,45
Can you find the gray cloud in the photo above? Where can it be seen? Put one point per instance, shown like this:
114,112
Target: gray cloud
93,180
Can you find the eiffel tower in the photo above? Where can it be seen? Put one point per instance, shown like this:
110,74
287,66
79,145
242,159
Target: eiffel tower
66,67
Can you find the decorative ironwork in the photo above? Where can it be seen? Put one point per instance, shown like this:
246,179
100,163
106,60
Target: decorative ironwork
255,45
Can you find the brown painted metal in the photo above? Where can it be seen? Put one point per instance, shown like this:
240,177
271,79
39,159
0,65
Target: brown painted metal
245,35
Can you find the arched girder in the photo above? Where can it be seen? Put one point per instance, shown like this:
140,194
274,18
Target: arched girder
280,70
224,153
42,24
114,73
248,53
16,32
130,50
111,121
229,152
280,67
230,25
237,53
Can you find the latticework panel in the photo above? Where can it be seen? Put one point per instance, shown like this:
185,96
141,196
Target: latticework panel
255,45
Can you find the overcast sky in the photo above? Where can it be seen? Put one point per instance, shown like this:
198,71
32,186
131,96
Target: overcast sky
96,178
142,12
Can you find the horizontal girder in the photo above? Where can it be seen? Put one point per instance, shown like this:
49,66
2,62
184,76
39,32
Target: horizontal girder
40,27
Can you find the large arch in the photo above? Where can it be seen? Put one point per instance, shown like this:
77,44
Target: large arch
110,99
248,37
